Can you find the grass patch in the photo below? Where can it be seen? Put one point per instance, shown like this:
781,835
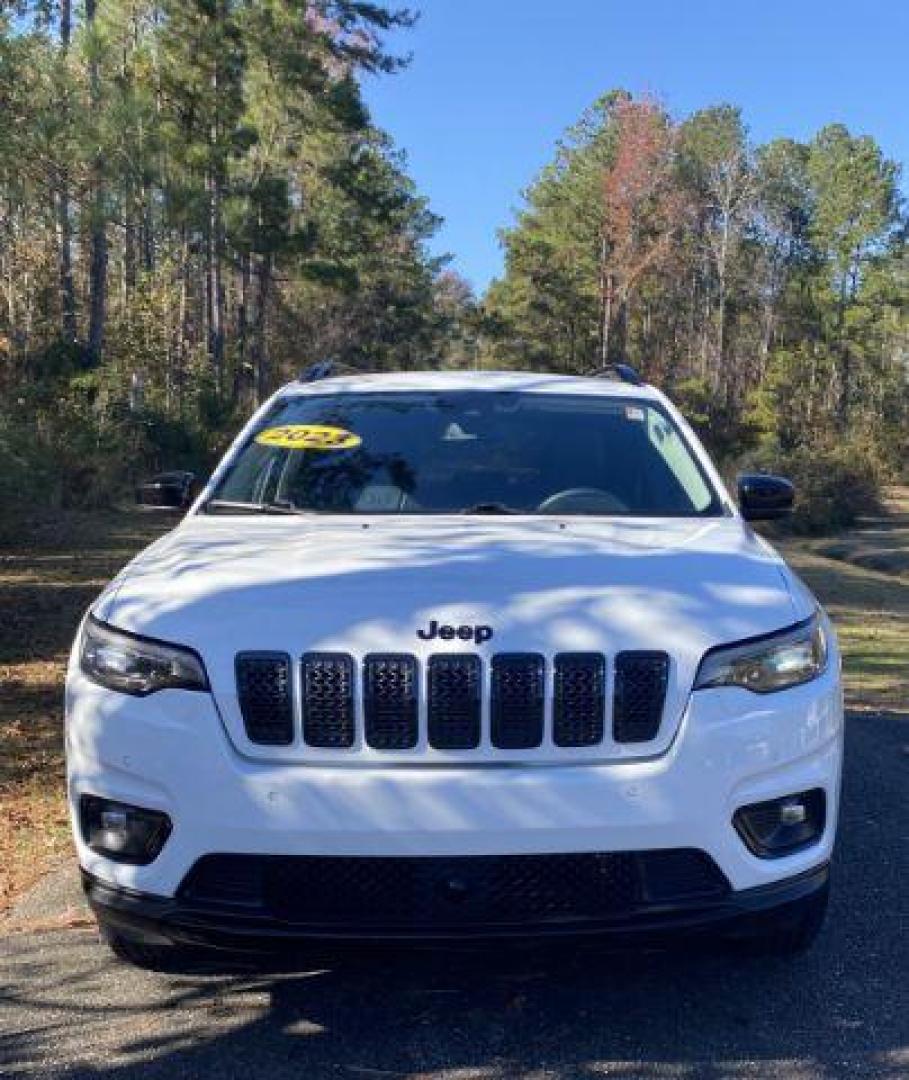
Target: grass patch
871,612
861,576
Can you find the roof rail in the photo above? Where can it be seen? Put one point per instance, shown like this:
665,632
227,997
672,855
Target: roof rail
325,369
625,372
322,369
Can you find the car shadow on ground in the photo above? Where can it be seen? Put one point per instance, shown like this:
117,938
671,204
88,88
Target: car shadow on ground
841,1010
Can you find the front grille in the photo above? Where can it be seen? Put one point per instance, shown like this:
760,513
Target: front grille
413,893
517,701
390,701
328,703
383,699
263,691
453,702
579,699
641,679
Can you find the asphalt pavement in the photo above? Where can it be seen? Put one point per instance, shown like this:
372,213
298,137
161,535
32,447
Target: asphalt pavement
67,1009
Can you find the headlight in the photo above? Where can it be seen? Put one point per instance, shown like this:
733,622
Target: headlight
136,665
774,662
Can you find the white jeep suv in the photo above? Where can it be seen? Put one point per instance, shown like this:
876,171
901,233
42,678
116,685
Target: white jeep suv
453,656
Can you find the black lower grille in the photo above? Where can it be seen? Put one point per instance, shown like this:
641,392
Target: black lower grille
517,701
263,692
453,702
579,699
641,679
328,704
439,892
390,701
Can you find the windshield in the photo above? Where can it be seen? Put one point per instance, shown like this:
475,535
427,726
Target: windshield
469,452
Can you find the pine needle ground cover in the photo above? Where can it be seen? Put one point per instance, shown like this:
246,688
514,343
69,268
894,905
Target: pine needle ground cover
47,579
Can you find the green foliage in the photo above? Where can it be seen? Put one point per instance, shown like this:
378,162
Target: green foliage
769,294
196,205
836,483
855,198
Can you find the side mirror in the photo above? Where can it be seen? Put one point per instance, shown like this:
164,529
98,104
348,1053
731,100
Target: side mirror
764,498
167,491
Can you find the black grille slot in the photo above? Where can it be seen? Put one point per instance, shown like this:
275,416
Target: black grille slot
225,881
681,874
640,691
353,894
454,702
264,694
390,701
328,705
517,700
578,699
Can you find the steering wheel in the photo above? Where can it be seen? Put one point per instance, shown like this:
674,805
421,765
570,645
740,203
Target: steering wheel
589,500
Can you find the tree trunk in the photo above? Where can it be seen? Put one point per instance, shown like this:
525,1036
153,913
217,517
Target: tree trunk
216,182
606,287
183,321
130,243
148,232
261,367
63,208
241,378
12,278
607,320
618,335
845,358
98,242
65,248
97,288
721,266
215,251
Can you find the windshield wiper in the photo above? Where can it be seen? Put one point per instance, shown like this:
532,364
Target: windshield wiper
214,506
490,508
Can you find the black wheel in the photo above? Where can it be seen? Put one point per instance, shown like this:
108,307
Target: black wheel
791,930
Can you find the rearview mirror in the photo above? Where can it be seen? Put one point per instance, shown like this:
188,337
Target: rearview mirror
764,498
168,491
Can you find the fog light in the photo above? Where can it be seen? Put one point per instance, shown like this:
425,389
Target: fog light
793,813
782,826
124,833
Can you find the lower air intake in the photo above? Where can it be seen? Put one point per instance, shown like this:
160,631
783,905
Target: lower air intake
347,894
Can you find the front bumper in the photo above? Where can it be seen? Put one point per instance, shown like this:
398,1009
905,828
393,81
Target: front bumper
169,752
166,920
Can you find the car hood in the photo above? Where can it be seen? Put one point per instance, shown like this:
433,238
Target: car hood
226,584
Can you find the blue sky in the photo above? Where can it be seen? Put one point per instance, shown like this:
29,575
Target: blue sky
493,83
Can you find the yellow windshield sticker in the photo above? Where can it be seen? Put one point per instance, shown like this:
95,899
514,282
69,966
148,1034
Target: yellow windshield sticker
308,437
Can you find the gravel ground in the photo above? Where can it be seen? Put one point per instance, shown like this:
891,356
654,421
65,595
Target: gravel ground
68,1010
